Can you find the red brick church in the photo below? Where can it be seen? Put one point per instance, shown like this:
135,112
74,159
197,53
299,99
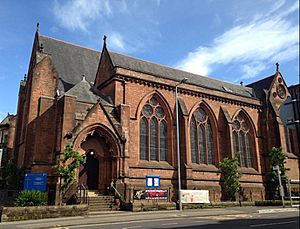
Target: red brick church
119,111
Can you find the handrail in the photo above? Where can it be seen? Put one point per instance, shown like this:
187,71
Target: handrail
116,191
83,193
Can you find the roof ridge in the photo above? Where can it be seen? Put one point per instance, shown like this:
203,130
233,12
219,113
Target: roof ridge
263,79
70,43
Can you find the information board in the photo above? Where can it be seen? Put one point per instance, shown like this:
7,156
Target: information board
35,181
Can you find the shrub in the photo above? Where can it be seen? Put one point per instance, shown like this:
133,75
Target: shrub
230,177
31,198
277,157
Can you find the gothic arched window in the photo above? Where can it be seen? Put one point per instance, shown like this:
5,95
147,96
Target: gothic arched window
201,137
242,141
153,132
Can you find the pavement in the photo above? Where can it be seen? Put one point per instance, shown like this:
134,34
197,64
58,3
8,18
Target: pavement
106,218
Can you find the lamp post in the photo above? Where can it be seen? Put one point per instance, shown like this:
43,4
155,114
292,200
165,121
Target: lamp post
177,140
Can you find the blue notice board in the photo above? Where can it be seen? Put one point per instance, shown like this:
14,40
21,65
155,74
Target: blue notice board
35,181
152,181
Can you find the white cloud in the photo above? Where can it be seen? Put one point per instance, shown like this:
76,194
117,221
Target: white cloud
116,41
78,14
252,45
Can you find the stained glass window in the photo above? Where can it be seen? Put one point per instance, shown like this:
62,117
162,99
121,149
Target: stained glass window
153,132
194,140
242,141
201,138
144,139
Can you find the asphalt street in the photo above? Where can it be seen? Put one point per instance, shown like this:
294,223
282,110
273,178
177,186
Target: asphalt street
229,218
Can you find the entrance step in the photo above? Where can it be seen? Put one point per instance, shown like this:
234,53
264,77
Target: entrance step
98,202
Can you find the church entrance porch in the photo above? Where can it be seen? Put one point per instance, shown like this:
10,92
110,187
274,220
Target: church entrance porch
101,164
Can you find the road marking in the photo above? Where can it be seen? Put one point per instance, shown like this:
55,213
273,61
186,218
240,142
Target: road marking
116,223
277,210
269,224
167,224
131,227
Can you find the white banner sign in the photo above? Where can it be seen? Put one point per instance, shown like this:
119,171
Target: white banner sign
195,196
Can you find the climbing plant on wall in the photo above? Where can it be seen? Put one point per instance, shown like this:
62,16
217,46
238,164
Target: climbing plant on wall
69,162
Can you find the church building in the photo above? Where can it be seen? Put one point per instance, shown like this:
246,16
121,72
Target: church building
120,112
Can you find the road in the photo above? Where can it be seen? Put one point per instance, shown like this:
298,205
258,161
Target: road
230,218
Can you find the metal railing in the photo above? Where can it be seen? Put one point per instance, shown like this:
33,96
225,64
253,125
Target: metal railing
291,197
82,190
116,192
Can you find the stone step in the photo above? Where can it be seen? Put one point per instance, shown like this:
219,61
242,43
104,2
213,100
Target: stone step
100,202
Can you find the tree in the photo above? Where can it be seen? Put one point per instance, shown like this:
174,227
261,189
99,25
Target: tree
230,177
70,161
11,174
276,157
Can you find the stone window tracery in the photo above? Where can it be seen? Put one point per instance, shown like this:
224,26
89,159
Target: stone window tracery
242,141
153,132
201,137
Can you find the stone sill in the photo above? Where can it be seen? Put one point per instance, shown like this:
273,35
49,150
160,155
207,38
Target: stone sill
153,165
204,168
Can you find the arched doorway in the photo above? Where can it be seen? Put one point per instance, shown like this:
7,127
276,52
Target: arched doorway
101,166
89,171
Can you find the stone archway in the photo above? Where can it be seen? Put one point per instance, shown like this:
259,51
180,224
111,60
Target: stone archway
102,158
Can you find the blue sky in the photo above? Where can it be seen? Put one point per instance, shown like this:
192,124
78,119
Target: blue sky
230,40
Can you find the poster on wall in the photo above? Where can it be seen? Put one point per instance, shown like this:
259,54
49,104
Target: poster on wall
195,196
151,194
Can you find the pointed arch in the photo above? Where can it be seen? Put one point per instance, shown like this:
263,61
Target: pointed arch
247,117
203,129
161,99
208,109
110,138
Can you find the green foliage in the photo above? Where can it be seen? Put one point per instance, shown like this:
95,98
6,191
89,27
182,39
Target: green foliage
70,161
11,174
31,198
230,177
276,157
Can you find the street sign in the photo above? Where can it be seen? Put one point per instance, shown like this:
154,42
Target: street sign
276,167
35,181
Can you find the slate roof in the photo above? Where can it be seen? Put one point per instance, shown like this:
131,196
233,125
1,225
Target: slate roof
72,61
177,75
85,92
261,85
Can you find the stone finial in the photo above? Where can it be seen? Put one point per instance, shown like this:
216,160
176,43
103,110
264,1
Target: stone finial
83,77
104,40
25,77
37,27
277,67
242,83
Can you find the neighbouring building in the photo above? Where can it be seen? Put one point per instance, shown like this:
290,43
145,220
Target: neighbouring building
119,111
289,114
7,131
